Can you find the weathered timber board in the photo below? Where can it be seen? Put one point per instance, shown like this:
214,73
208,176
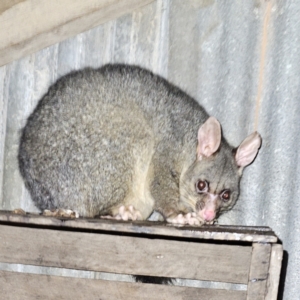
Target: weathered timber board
124,254
259,271
213,232
274,272
29,286
30,25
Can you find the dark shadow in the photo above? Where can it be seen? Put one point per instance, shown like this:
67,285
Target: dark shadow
153,279
284,266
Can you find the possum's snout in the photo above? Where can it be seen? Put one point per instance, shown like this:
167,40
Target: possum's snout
207,207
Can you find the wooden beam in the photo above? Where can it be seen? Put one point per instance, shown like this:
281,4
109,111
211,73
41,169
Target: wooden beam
274,272
259,271
211,232
30,25
30,286
124,254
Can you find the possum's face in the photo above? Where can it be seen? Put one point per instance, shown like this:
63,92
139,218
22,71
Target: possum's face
211,186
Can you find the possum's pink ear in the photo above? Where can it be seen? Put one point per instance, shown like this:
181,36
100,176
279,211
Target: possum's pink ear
247,150
209,138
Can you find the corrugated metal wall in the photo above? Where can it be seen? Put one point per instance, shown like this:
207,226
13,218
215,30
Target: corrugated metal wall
240,59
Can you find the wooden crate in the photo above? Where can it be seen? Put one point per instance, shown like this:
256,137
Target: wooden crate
247,258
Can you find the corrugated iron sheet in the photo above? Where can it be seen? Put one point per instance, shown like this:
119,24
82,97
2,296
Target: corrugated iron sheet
240,59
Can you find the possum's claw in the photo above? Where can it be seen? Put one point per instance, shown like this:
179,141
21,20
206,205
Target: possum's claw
125,213
187,219
68,213
19,211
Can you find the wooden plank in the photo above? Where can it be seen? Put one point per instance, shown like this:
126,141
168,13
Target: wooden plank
30,25
259,271
274,272
212,232
124,254
30,286
3,124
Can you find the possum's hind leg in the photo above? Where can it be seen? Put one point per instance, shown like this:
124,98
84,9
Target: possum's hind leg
138,204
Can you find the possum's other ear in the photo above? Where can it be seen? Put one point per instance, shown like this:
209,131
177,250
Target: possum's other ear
248,150
209,138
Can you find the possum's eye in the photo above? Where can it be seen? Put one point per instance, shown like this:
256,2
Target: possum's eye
225,195
202,186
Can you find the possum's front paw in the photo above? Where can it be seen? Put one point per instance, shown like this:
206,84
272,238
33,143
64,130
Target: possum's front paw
187,219
19,211
125,213
66,213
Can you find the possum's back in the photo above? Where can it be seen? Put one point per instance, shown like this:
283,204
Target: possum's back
85,104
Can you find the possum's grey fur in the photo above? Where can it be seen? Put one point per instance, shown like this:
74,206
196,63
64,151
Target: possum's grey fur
122,136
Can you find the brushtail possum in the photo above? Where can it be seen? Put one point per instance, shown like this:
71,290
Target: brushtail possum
120,142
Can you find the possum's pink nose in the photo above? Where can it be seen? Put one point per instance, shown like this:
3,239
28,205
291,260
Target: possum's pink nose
209,215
